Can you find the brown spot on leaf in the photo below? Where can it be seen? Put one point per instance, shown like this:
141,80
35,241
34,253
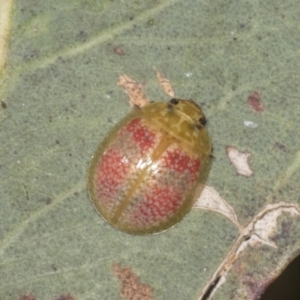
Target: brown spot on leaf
254,101
132,288
65,297
280,147
3,105
27,297
119,50
48,200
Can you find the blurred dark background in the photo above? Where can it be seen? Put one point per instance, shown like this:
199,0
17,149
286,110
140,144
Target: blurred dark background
287,285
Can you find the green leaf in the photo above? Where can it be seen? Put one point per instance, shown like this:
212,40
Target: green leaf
59,66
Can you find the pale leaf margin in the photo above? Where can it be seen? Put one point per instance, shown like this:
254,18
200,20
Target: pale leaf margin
255,234
5,11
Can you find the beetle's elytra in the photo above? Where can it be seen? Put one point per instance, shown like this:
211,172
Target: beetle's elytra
149,170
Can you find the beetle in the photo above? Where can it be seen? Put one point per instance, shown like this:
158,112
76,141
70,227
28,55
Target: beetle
150,169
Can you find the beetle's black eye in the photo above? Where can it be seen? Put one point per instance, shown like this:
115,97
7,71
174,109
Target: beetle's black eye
174,101
202,121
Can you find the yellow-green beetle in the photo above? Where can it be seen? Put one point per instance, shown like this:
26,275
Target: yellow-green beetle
149,170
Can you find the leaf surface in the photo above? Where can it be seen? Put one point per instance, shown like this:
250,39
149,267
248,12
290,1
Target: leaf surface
59,96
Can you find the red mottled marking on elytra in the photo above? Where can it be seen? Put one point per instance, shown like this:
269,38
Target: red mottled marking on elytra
179,161
159,203
143,136
110,173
